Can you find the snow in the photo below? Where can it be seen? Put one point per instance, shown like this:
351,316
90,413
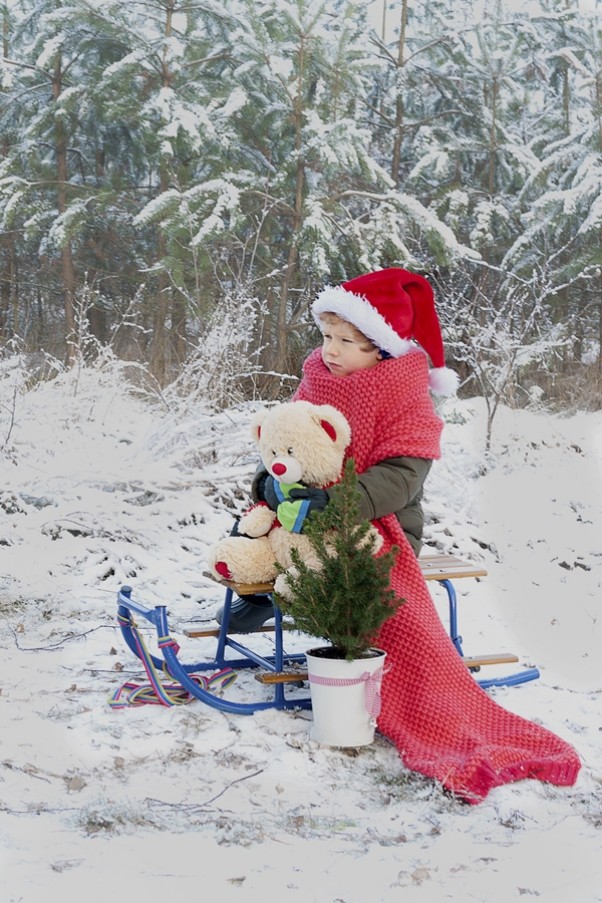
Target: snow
103,486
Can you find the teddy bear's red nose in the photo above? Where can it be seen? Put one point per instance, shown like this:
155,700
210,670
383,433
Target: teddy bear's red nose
278,469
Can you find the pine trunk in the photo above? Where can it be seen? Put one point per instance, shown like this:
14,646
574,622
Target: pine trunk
67,268
399,102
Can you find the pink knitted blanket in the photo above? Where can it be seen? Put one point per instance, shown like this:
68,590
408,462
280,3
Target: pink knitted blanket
443,724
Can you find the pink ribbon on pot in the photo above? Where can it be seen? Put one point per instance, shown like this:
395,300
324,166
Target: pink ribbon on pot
372,682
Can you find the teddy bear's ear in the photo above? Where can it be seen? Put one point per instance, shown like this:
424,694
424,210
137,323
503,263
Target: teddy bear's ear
329,429
256,423
334,424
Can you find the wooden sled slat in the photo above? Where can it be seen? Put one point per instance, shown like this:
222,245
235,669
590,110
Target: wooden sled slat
448,567
434,566
496,658
281,677
471,661
215,631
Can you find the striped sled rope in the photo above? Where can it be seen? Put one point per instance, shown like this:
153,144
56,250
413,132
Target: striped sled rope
157,692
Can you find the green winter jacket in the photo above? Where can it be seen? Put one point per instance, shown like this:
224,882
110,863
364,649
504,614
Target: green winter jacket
395,486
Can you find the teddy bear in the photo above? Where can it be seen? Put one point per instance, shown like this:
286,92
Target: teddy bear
300,444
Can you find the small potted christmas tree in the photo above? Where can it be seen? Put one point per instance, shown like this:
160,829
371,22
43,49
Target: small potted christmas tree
344,602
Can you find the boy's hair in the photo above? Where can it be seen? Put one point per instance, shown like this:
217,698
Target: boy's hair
332,320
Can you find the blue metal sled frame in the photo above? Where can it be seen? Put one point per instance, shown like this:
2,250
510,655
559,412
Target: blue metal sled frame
277,662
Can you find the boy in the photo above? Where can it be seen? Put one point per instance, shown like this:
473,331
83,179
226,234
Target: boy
369,322
442,723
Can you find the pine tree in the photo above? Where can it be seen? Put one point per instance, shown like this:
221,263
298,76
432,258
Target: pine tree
56,197
350,597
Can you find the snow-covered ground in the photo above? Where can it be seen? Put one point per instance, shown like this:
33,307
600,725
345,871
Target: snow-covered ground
101,487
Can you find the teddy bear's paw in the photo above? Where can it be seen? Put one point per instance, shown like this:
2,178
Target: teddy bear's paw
281,586
257,521
372,539
248,571
242,560
222,570
377,540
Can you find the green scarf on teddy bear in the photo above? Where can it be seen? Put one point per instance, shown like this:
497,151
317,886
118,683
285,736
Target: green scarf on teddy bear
291,513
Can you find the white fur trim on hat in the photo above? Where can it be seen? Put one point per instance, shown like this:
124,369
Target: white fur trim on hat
443,381
358,311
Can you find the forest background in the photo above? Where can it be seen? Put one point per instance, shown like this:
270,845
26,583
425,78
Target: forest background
178,179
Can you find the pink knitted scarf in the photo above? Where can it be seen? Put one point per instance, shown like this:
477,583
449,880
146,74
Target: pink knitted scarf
443,724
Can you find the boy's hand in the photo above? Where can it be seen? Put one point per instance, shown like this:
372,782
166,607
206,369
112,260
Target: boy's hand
318,498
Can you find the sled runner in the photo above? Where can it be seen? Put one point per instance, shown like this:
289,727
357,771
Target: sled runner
280,668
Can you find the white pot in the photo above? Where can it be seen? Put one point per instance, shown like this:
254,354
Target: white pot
345,697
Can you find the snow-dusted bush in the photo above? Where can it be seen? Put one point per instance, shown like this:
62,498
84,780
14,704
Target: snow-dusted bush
504,340
224,368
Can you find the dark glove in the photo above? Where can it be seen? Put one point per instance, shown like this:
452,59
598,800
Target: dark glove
318,498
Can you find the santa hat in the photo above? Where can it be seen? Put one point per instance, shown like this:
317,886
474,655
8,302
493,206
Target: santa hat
394,309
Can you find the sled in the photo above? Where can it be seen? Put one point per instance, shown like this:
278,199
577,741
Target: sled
281,670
